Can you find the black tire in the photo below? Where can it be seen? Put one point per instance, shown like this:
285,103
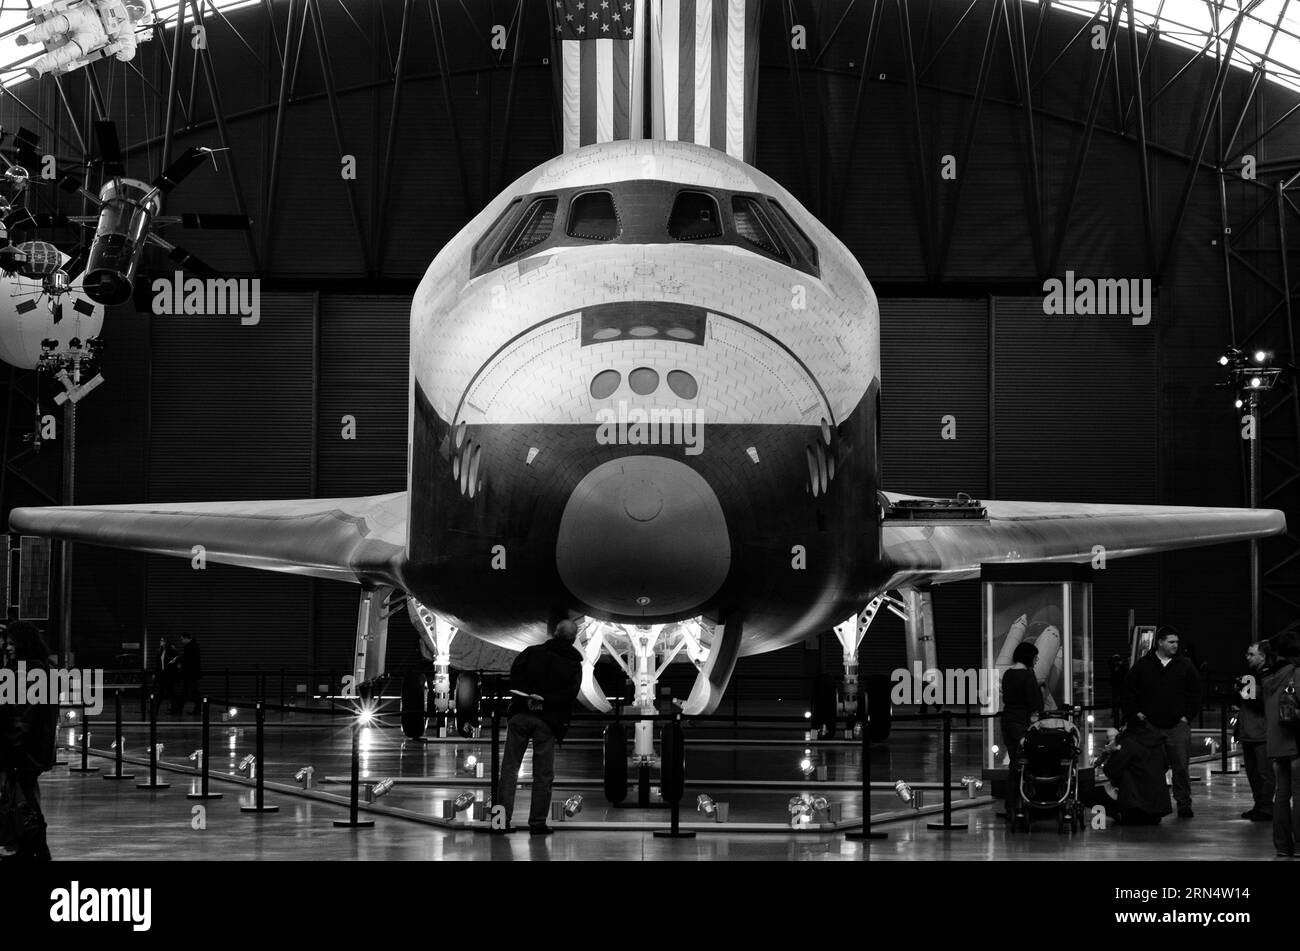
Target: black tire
415,704
616,763
468,691
879,707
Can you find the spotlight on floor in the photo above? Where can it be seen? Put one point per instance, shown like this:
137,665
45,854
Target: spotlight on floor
572,806
247,764
471,761
1211,745
380,789
463,801
230,714
800,809
704,804
972,783
904,791
366,715
304,776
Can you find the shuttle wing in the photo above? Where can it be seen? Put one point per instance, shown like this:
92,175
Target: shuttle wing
360,539
933,552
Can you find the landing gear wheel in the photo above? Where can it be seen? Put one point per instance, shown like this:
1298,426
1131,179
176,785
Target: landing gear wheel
467,698
415,705
616,763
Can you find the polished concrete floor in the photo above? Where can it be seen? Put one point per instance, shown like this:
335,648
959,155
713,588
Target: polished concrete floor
754,772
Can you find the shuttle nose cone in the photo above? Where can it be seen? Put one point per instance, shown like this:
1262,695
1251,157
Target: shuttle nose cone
643,535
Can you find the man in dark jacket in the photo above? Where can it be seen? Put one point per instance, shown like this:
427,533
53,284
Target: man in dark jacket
544,679
1252,734
1163,690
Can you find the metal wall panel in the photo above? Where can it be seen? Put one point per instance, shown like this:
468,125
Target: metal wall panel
934,364
231,415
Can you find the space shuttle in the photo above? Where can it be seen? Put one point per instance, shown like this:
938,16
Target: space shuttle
644,393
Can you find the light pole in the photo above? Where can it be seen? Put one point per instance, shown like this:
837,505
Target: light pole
1251,375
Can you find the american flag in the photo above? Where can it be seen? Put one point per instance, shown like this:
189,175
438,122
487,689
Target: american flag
705,73
601,67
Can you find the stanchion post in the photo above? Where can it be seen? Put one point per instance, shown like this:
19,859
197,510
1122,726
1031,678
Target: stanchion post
1223,769
674,782
354,820
117,738
85,746
203,754
866,834
947,825
259,804
496,751
153,750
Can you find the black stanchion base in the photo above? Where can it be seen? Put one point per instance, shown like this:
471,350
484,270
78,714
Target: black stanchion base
153,785
120,776
259,808
861,836
203,795
670,834
1224,772
947,826
84,769
60,762
349,824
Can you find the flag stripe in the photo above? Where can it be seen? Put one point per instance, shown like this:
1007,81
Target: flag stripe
736,138
703,68
604,90
718,79
572,84
686,71
587,111
750,94
622,79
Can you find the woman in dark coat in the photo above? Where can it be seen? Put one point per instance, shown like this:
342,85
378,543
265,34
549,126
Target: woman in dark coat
1022,702
1136,768
1282,746
27,740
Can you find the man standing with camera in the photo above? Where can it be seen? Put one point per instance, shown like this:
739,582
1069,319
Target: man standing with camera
1252,733
1163,690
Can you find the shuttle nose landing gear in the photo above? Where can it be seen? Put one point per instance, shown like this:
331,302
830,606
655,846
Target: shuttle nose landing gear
421,698
644,653
854,693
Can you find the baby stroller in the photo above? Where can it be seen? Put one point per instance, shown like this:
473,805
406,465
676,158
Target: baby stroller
1049,775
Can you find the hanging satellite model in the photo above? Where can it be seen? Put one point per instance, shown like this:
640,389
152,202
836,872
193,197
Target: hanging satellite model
76,33
45,321
129,210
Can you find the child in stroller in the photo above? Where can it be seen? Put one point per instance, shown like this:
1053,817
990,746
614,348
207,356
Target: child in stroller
1049,774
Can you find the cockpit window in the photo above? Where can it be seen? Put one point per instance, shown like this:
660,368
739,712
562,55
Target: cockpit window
592,216
492,237
803,247
753,226
534,228
694,216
